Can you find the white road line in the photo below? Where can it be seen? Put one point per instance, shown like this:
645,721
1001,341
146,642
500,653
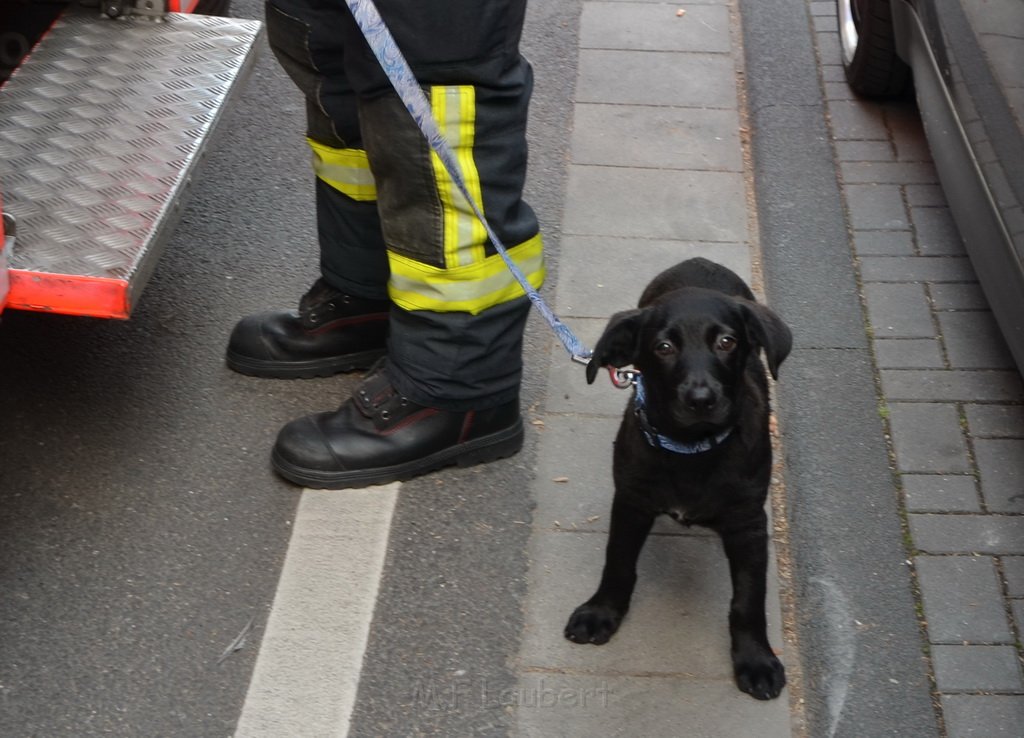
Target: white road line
307,671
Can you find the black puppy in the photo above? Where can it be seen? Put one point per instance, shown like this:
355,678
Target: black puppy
694,444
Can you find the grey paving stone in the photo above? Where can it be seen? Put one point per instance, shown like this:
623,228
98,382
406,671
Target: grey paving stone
940,493
975,128
828,45
983,716
995,421
958,297
927,438
657,137
909,353
947,386
976,669
899,310
833,73
937,235
984,534
863,150
1001,466
856,121
892,173
883,243
839,91
973,341
917,269
656,78
1015,220
907,133
568,391
599,276
876,207
654,27
573,482
1013,571
551,705
925,195
657,204
963,602
677,622
824,23
1017,612
910,147
823,8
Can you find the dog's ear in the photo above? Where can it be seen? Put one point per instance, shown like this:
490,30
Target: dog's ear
617,345
766,330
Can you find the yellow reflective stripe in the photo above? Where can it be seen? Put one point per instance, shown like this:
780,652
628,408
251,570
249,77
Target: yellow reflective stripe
471,288
476,235
464,236
346,170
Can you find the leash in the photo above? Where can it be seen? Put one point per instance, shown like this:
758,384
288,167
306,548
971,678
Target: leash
391,60
383,45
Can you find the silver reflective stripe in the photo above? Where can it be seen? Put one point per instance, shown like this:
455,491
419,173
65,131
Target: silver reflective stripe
346,170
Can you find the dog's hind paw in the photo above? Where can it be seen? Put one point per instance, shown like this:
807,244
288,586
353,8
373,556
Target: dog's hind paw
762,677
593,624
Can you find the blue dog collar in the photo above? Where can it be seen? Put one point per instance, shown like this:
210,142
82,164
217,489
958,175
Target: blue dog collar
664,442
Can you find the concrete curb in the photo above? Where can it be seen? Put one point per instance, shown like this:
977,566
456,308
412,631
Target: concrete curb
863,654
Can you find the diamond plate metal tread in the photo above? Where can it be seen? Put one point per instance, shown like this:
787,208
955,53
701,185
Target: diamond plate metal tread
100,131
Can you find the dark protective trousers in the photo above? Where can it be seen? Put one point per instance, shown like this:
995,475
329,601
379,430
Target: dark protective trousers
390,220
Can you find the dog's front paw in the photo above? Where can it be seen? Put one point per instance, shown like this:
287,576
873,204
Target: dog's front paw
593,624
761,675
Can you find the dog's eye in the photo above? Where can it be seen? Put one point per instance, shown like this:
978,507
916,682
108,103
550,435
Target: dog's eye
726,343
664,348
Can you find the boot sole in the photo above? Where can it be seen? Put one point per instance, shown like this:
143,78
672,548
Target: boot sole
308,369
495,446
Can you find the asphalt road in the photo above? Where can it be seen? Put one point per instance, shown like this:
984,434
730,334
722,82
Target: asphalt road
141,528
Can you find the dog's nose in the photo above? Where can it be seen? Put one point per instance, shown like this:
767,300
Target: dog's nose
700,398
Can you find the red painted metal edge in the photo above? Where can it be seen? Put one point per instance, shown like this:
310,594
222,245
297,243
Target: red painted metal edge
4,258
97,297
182,6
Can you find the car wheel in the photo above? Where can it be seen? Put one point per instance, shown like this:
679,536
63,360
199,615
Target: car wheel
868,46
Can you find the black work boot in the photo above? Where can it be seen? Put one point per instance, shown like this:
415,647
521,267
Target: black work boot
331,332
379,436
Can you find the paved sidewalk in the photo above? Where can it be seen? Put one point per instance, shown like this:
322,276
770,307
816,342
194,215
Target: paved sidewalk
656,175
951,398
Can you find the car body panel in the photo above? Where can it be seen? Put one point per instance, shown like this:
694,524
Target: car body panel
967,58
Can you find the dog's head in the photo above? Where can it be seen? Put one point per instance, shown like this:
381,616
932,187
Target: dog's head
692,347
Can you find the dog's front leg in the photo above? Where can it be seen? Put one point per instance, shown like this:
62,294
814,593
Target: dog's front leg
597,619
758,672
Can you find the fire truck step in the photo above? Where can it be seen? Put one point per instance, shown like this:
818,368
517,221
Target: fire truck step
101,131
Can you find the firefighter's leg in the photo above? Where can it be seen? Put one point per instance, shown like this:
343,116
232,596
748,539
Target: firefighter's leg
458,322
449,391
341,323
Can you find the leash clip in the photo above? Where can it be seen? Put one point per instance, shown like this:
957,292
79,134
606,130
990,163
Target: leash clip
622,378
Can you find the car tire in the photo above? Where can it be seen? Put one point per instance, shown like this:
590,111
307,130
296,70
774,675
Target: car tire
868,45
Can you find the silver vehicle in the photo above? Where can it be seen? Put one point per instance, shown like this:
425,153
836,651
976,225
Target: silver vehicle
965,59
